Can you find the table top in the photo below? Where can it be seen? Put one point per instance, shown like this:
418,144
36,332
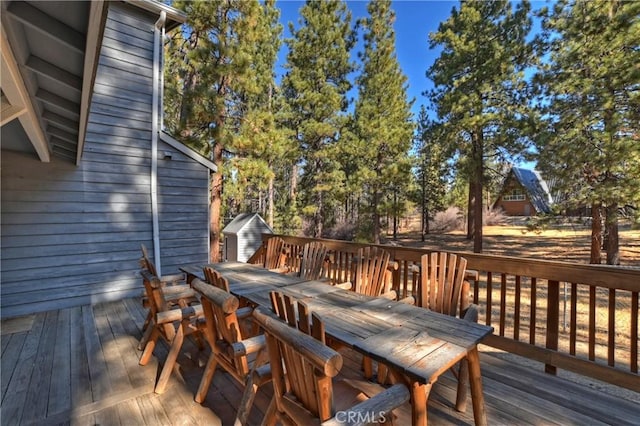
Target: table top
415,341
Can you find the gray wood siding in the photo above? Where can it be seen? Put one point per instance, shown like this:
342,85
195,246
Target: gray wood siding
71,235
183,201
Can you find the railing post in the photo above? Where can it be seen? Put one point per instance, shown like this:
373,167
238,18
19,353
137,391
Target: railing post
553,320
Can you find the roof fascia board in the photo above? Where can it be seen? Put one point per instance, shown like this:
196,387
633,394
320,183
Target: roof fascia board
16,92
165,137
175,17
95,31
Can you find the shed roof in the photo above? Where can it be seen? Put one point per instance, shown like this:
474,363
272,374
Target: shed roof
242,221
535,186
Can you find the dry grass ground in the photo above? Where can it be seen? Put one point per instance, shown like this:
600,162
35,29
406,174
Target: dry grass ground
569,244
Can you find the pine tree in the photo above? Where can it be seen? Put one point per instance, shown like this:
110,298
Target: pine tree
431,168
592,83
211,62
382,115
315,86
262,144
480,92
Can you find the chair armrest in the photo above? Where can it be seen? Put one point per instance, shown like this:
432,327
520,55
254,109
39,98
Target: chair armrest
179,314
245,312
391,295
381,404
409,300
172,279
247,346
345,285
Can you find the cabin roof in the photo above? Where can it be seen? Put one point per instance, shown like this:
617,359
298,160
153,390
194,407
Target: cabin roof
243,220
535,186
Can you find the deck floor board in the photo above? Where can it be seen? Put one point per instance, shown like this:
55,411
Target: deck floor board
80,366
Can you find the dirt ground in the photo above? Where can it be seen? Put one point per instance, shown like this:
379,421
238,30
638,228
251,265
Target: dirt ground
569,244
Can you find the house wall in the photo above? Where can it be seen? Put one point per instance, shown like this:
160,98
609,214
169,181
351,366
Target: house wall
250,239
515,208
70,234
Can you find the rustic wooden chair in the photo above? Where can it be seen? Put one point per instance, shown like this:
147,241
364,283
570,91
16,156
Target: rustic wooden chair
312,261
443,288
371,276
370,272
237,355
303,370
177,291
172,323
247,326
274,256
297,314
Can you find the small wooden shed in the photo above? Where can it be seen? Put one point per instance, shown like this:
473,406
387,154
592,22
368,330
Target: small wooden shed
243,236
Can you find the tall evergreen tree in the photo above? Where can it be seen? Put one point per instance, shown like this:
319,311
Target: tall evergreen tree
382,114
210,62
480,92
431,169
592,92
261,144
315,86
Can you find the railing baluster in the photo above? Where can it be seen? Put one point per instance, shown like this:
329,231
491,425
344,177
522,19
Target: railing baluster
592,323
533,311
516,312
489,298
634,332
612,328
573,326
553,317
503,302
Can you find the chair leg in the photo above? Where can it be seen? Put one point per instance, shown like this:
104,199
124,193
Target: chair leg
463,385
172,357
150,346
247,401
147,321
145,337
367,366
207,378
270,416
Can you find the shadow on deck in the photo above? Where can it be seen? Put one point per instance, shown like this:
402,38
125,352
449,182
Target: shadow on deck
80,366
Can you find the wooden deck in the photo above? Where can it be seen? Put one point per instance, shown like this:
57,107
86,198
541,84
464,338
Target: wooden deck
80,366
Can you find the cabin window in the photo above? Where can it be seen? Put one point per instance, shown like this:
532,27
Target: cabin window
516,194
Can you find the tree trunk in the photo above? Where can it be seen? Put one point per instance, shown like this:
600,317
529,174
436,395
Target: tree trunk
477,178
470,211
596,233
395,216
216,205
375,216
613,242
270,215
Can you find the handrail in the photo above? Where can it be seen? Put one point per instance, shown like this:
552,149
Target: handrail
565,328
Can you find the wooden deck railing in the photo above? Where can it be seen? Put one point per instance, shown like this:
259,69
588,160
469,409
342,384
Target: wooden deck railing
581,318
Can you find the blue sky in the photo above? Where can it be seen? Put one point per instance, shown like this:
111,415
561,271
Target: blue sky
414,20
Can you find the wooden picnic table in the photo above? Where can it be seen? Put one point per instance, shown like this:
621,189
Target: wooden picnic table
417,345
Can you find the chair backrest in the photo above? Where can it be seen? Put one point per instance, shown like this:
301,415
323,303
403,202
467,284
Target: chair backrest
296,313
223,327
146,262
216,279
301,368
274,255
369,274
312,264
441,282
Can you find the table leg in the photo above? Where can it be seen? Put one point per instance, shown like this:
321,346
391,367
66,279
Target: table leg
419,397
479,414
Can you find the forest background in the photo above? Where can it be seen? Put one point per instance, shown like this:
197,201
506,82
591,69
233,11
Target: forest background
330,148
